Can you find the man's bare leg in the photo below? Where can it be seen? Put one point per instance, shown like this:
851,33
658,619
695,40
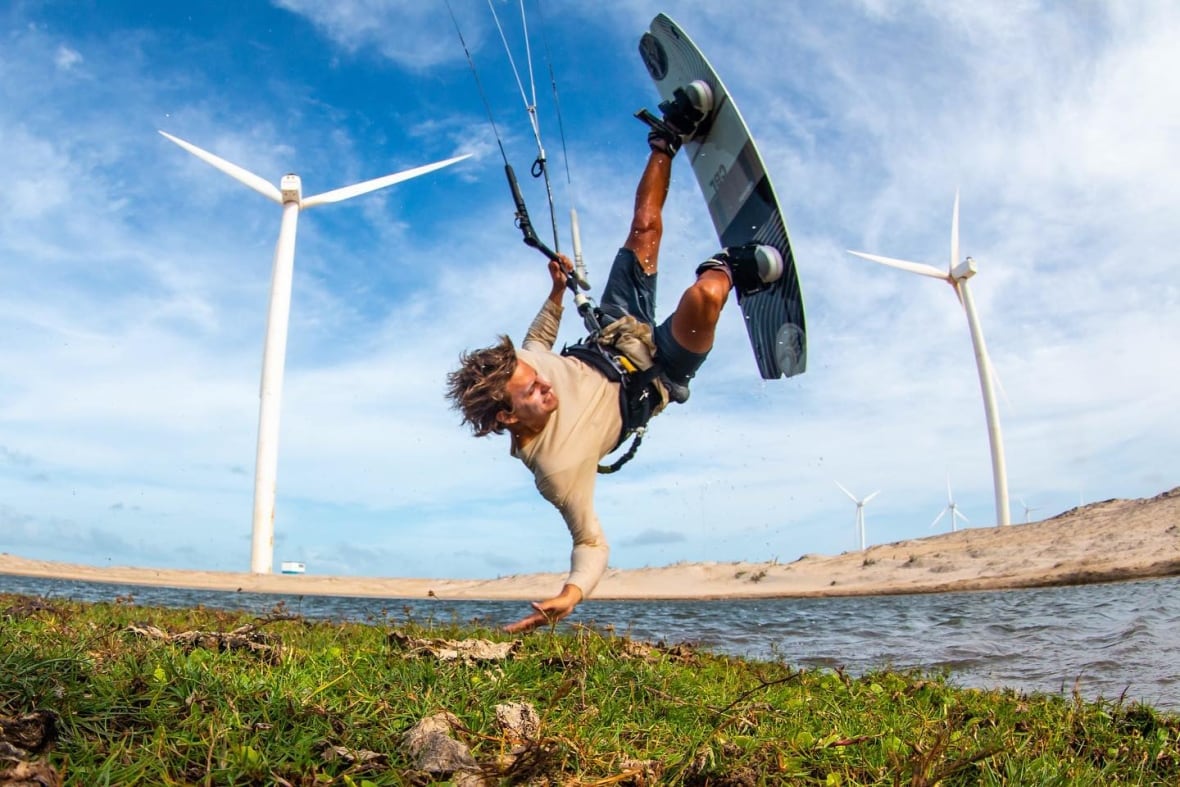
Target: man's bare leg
695,320
748,268
647,222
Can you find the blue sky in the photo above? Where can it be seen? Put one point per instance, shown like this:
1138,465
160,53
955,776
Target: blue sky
134,278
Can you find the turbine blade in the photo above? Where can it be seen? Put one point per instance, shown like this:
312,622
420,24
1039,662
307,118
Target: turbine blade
870,497
940,516
851,496
356,189
905,265
263,187
955,234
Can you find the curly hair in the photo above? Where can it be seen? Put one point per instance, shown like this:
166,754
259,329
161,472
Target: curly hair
478,388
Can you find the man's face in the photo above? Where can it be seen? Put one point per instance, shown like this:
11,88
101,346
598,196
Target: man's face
532,397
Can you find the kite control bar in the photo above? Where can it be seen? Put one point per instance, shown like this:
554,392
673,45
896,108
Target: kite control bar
530,235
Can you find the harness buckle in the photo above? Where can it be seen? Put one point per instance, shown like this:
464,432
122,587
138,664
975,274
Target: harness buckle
626,364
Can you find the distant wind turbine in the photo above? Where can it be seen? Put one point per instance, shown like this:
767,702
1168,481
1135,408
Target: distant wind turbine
957,275
951,508
1027,509
289,194
860,512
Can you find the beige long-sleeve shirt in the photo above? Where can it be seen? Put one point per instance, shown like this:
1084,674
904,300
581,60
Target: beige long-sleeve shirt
564,456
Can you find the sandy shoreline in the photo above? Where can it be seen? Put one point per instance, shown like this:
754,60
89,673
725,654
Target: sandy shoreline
1101,542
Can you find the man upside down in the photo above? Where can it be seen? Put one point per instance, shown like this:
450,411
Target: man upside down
565,411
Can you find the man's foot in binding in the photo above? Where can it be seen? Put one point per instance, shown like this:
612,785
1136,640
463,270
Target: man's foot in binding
683,117
751,268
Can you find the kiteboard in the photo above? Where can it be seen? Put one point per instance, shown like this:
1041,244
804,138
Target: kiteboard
740,198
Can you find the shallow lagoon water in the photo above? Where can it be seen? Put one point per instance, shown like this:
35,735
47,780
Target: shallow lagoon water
1102,641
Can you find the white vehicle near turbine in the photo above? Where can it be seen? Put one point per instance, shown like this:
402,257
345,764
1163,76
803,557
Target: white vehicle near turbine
957,274
860,511
289,194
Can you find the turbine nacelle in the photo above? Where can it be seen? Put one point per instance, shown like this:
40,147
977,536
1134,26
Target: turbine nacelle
291,188
964,270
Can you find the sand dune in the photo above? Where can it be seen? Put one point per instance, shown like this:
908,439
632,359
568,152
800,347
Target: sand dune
1100,542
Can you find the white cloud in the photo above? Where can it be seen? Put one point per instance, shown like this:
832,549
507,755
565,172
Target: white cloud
67,58
413,34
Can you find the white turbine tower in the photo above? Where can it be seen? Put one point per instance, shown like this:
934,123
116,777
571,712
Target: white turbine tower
289,195
860,512
950,508
957,275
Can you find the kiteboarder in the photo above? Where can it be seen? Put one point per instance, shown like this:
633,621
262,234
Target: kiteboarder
565,411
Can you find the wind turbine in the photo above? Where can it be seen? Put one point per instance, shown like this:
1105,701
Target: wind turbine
860,512
956,275
289,194
950,507
1027,509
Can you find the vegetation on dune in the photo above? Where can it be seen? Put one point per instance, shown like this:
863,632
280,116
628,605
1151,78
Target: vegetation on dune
125,695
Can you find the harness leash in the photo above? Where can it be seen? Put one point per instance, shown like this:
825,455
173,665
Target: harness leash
627,457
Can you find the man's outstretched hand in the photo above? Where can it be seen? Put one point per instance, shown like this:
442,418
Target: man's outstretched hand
549,611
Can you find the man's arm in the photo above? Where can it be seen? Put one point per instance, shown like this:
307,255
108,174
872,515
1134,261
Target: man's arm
587,565
542,334
590,555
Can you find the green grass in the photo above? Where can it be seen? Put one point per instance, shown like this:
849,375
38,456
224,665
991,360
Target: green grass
133,709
